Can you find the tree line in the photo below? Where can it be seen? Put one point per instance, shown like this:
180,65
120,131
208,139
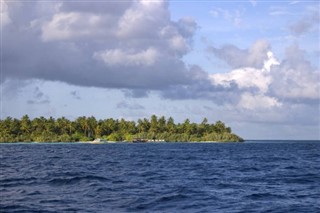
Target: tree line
84,128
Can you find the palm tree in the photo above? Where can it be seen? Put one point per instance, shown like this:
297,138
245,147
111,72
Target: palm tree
63,125
25,125
91,124
171,127
83,124
154,125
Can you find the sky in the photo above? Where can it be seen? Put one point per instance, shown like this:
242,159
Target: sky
251,64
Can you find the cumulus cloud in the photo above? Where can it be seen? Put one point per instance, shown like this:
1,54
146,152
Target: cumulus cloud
295,78
248,77
127,44
136,46
140,19
73,25
252,83
257,101
259,82
275,83
121,57
104,7
203,88
236,57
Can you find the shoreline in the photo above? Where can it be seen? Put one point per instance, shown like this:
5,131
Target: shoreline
114,142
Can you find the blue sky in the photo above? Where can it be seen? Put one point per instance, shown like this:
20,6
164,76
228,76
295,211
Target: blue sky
252,64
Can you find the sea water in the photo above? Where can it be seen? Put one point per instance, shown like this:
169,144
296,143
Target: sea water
255,176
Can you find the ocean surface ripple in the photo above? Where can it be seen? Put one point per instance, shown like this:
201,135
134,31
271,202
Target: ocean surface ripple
160,177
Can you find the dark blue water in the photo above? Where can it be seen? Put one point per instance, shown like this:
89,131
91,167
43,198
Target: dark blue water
165,177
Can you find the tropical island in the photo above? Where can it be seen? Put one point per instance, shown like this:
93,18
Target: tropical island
83,128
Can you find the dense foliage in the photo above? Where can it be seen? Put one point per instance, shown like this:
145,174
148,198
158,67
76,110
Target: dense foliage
88,128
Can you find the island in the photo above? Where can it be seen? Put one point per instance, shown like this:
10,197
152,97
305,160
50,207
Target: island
155,129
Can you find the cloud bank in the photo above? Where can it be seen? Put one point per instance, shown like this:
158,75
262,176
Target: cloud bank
135,46
126,44
274,83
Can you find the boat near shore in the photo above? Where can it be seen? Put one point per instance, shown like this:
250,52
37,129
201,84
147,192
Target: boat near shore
98,141
139,140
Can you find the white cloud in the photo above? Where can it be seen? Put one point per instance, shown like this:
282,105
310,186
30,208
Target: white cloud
257,53
253,102
244,78
249,77
179,44
253,82
296,78
178,36
291,80
94,43
81,19
255,56
270,62
152,4
116,57
73,25
140,19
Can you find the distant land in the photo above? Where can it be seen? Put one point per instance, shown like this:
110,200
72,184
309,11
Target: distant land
83,128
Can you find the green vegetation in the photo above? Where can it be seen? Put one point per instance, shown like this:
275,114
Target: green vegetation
88,128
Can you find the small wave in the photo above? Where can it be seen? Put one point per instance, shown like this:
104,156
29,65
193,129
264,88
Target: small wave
160,202
129,178
300,180
21,208
3,166
34,193
250,169
55,157
228,186
9,180
57,201
263,196
291,168
13,182
171,198
118,182
75,180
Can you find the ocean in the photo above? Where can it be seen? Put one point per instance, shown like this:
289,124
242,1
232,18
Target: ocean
254,176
